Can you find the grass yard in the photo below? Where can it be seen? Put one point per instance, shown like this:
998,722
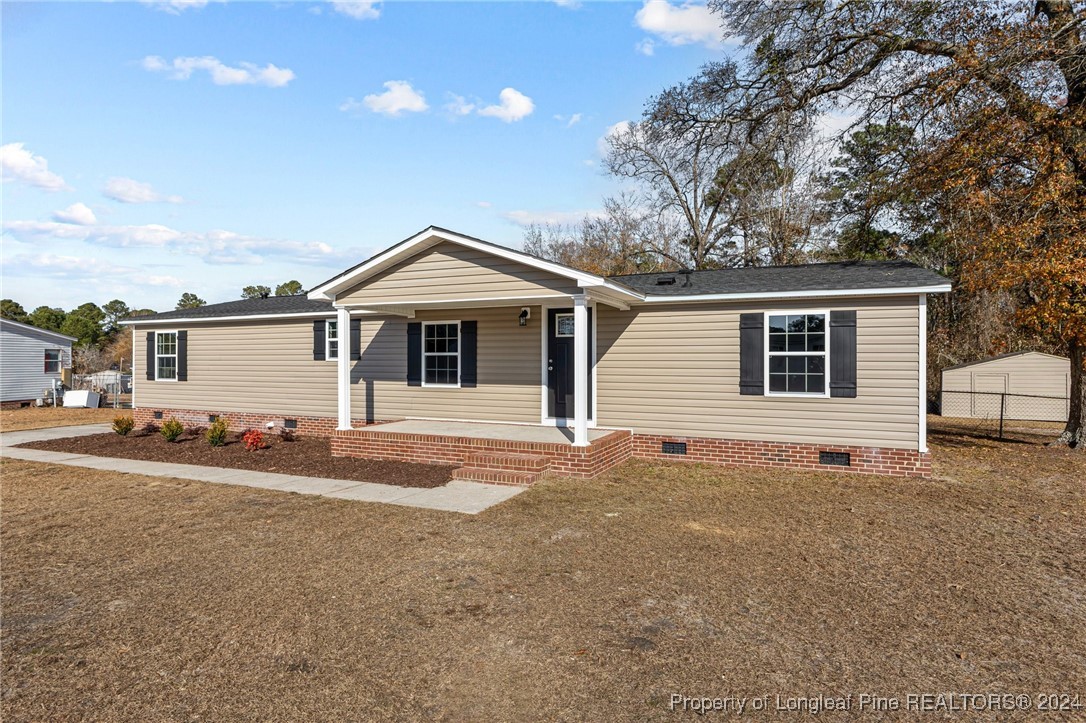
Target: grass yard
12,420
132,598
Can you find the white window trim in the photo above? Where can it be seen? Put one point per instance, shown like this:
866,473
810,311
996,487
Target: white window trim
765,351
459,342
60,360
328,341
177,349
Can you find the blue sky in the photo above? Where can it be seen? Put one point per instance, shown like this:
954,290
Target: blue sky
153,148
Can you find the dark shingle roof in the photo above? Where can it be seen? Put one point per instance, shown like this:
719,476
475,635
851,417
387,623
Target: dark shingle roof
244,307
838,276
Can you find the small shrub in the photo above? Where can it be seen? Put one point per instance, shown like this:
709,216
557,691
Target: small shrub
254,440
172,429
286,435
195,430
123,425
150,428
217,432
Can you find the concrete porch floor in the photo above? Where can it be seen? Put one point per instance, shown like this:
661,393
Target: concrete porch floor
487,430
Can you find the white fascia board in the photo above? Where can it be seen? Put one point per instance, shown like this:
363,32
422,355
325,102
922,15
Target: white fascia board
828,293
430,237
210,319
39,330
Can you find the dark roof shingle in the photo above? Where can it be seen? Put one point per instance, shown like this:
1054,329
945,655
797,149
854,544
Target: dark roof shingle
836,276
245,307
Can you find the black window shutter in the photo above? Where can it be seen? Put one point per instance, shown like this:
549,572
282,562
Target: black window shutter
414,354
182,356
468,355
150,356
842,353
356,339
751,354
318,340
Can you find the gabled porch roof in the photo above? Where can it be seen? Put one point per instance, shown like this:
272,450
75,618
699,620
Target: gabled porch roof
601,289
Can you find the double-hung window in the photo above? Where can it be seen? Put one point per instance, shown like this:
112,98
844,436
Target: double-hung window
52,361
331,340
166,356
797,353
441,354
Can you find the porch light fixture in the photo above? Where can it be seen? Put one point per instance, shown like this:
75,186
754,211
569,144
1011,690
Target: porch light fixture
525,314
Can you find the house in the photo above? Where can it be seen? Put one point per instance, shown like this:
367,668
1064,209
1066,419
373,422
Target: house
1028,385
32,360
445,348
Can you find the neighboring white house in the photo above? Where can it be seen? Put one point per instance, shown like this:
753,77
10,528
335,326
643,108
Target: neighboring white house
31,359
1024,384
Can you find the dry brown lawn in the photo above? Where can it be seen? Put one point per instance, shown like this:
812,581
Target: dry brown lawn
38,417
132,598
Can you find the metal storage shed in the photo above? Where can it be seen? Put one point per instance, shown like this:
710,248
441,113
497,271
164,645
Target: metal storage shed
1028,385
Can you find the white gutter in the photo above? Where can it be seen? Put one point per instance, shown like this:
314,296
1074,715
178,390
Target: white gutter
210,319
770,295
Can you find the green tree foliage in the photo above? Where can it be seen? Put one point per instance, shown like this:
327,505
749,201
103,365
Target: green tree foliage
116,311
256,292
85,324
13,310
190,301
289,288
48,317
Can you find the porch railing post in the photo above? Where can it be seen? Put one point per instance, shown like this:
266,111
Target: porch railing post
580,371
343,367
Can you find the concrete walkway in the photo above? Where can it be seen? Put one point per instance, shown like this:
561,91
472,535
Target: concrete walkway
455,496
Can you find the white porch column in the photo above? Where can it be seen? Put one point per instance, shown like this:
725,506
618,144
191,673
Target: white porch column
580,371
343,367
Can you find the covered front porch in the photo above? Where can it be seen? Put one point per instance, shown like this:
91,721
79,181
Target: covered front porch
497,453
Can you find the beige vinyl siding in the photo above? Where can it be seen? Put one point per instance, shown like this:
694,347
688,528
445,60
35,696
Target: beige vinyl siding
255,366
508,371
1034,373
449,272
674,369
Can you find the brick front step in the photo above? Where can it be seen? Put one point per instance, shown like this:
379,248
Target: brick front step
506,461
496,476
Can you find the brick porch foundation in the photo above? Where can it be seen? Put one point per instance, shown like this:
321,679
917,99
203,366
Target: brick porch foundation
485,455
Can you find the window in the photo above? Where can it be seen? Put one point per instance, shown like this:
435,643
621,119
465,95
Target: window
331,340
52,361
441,354
564,324
166,356
796,353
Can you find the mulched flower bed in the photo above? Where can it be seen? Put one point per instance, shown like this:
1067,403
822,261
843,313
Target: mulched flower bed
309,456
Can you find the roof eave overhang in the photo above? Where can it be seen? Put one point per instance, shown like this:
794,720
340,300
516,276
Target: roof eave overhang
143,320
433,236
812,294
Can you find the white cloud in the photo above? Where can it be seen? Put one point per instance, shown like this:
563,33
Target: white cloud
75,269
214,247
78,213
270,75
483,204
646,47
19,164
603,145
680,24
458,105
513,106
175,7
570,121
399,97
127,190
549,218
359,10
571,4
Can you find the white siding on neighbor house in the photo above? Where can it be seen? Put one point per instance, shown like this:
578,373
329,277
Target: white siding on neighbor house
675,370
451,272
1043,382
22,362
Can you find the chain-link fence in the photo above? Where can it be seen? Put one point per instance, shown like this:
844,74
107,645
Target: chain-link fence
114,388
1002,412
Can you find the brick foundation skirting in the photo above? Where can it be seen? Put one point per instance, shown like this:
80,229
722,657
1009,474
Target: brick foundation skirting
870,460
239,421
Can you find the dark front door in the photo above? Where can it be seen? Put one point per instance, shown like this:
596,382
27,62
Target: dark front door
560,344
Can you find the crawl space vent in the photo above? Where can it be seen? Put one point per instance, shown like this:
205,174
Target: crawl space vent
158,415
673,447
290,423
841,459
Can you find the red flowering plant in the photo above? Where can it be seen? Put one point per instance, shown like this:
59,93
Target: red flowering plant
254,440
